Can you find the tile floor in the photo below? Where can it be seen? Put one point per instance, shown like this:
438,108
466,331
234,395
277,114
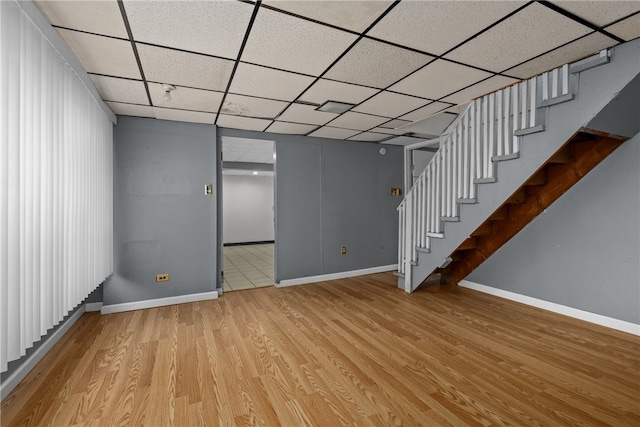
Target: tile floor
248,266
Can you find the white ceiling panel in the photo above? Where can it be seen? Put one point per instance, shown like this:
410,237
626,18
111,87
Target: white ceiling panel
121,90
239,122
212,27
388,131
534,30
376,64
394,124
131,109
358,121
285,42
240,105
299,113
601,13
184,116
334,133
184,69
102,55
438,79
184,98
425,111
628,29
432,126
352,15
328,90
479,89
268,83
437,26
368,137
100,17
390,104
291,128
579,49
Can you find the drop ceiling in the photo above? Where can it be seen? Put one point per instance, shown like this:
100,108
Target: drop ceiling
266,66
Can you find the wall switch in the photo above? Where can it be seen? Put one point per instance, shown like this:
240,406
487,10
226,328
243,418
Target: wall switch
162,277
343,250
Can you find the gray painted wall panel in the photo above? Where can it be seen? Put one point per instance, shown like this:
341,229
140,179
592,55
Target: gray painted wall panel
163,222
584,251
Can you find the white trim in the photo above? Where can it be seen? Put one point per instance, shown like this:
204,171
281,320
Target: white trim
18,375
159,302
92,306
334,276
598,319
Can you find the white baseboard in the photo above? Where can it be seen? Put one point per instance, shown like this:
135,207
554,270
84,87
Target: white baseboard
598,319
18,375
92,306
335,276
159,302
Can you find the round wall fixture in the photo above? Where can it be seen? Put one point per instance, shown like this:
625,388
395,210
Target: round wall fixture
383,151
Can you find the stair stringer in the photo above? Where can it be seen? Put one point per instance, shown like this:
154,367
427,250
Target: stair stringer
596,88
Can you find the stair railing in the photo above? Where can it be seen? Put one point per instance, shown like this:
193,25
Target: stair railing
488,131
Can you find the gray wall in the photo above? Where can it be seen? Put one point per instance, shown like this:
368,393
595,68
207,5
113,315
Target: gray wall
584,251
332,193
163,222
248,208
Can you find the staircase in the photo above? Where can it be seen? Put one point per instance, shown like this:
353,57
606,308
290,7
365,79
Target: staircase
507,158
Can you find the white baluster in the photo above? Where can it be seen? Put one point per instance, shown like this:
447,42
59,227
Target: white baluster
554,83
565,79
506,111
492,136
545,87
523,108
465,157
486,160
472,151
499,97
532,99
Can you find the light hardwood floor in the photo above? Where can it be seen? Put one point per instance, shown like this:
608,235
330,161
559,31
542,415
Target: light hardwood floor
348,352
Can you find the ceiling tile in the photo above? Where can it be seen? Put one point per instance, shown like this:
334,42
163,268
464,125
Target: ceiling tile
390,104
184,69
394,124
102,55
479,89
368,137
334,133
212,27
328,90
389,131
289,43
100,17
292,128
601,13
121,90
579,49
534,30
426,111
239,105
131,109
268,83
239,122
439,79
372,63
358,121
184,116
628,29
352,15
299,113
437,26
431,126
184,98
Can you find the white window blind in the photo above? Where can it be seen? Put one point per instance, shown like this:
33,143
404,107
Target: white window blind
56,175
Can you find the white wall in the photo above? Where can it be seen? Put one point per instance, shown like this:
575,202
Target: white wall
247,208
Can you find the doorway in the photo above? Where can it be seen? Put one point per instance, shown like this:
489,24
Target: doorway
247,213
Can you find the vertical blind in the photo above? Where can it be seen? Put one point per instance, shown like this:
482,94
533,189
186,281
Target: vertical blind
56,175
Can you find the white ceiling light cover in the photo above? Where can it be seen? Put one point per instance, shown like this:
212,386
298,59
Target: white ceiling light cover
212,27
265,82
285,42
376,64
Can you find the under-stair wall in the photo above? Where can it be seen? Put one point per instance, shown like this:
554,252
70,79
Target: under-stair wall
561,122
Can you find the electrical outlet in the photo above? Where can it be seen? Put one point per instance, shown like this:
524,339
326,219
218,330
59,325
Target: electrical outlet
343,250
162,277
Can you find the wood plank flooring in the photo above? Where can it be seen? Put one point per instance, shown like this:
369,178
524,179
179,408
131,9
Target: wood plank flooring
353,352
